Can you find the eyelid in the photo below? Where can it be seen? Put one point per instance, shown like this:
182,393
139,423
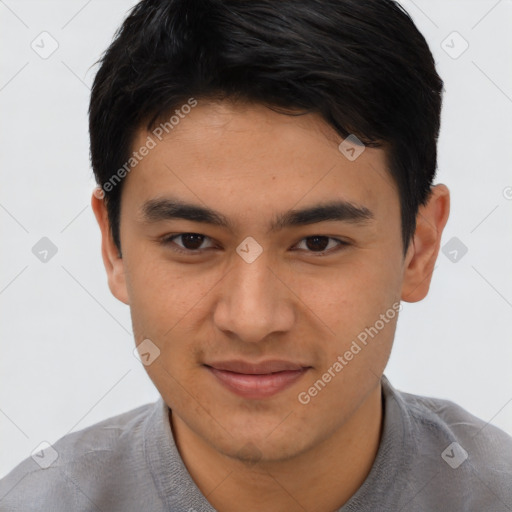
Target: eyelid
168,240
339,245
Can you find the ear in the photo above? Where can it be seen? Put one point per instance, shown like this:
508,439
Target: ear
424,248
113,262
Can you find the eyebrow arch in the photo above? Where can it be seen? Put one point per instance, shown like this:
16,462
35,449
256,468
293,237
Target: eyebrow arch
155,210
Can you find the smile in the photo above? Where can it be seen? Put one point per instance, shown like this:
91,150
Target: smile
257,385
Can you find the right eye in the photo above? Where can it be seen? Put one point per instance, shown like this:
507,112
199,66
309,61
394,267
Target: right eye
190,242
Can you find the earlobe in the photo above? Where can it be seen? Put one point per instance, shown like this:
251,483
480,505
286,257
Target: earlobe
114,264
424,249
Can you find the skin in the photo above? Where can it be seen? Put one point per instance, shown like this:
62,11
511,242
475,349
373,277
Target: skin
250,164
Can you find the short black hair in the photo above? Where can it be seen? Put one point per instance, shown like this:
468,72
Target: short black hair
362,65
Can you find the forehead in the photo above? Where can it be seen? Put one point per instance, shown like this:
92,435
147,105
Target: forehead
249,159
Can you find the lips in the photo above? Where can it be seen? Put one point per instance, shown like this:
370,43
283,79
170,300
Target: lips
265,367
256,380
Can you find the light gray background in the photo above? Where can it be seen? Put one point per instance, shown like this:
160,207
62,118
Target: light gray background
67,358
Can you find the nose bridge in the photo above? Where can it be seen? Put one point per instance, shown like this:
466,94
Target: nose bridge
253,302
254,281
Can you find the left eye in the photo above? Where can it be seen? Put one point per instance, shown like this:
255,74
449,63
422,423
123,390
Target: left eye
191,243
321,244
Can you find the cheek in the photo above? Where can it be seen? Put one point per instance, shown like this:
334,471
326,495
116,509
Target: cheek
156,298
349,296
168,304
346,305
153,282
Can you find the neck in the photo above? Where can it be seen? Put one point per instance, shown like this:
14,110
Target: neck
322,478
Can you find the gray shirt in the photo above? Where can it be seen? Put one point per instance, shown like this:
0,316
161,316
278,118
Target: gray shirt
433,456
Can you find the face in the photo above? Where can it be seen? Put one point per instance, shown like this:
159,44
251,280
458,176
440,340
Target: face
253,282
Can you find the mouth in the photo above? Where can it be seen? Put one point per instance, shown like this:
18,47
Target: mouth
257,381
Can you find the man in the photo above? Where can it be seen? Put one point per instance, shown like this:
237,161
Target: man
266,200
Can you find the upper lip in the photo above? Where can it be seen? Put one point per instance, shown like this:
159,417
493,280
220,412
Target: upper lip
263,367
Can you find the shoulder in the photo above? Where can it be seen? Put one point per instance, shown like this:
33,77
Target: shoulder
448,419
70,473
469,458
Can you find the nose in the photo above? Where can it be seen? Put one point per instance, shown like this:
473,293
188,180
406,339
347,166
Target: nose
254,302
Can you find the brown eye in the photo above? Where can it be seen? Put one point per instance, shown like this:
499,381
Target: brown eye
317,243
190,242
321,244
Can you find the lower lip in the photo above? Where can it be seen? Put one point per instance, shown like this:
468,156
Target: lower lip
257,386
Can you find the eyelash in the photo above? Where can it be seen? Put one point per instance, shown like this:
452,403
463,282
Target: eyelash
168,240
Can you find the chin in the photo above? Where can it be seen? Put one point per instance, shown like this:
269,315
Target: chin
259,447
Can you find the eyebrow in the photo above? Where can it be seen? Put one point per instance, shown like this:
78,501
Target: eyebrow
156,210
